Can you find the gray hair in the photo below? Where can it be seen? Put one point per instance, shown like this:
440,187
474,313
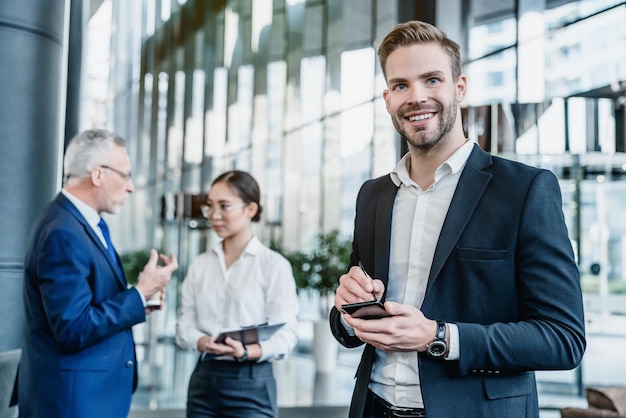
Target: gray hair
87,149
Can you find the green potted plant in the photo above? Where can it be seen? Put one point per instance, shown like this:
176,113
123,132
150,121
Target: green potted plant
320,269
133,263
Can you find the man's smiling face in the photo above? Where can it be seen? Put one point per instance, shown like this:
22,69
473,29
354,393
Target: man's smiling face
421,96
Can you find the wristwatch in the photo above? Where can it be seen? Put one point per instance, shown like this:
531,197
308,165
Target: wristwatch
244,356
438,347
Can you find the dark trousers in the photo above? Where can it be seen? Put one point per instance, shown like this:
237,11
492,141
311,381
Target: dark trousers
227,389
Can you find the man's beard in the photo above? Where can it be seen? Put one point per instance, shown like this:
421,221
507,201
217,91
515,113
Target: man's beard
421,139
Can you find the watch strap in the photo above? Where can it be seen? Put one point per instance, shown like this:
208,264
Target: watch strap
244,356
441,330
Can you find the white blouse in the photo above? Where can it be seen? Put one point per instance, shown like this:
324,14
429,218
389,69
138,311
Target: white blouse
258,288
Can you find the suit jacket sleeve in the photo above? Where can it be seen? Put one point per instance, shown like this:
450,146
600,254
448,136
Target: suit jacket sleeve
82,297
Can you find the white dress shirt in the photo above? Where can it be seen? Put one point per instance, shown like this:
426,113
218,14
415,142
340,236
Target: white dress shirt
418,217
257,288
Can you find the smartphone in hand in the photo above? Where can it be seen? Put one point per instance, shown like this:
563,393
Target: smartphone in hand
372,309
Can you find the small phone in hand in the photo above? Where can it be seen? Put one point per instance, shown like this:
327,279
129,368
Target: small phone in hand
372,309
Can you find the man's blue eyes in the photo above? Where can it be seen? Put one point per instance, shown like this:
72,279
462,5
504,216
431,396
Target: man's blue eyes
430,82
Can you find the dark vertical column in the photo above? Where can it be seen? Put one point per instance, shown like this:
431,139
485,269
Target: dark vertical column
424,10
32,68
566,123
620,125
74,69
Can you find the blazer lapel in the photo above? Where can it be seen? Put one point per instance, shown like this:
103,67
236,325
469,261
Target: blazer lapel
115,266
468,192
382,230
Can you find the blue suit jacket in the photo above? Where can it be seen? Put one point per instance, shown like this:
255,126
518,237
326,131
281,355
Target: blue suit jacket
78,358
503,271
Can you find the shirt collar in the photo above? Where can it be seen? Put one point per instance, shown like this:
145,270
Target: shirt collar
400,174
254,247
91,216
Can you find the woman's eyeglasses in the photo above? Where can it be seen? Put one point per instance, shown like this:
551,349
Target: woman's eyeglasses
209,211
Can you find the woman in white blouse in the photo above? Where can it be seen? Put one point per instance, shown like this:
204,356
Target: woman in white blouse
239,282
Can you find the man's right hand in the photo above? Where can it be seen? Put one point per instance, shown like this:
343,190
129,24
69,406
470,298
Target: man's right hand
356,286
155,277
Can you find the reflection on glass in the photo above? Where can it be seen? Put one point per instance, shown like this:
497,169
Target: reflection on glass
571,11
577,124
492,79
161,134
261,19
231,31
356,131
551,128
276,86
603,236
492,36
175,130
193,124
312,86
588,54
240,112
357,95
531,52
216,118
607,129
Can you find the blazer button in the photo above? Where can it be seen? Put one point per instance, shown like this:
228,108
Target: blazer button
129,363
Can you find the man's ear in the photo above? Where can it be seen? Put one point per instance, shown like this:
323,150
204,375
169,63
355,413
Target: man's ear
461,87
385,96
96,175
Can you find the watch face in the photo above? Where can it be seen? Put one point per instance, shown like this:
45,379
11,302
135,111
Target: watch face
437,348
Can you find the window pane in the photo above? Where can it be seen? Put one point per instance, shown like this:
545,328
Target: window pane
587,54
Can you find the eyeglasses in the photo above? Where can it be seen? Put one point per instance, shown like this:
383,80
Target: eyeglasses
126,175
209,210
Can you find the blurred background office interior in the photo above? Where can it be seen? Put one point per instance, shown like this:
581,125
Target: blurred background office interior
290,90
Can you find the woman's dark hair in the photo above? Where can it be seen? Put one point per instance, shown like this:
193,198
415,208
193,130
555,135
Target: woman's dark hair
245,186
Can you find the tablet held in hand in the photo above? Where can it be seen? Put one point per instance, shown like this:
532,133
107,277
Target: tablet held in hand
251,334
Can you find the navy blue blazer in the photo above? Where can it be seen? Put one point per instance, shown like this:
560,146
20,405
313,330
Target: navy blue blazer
503,271
78,357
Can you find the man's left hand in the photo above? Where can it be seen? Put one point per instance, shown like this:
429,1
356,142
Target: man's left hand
406,330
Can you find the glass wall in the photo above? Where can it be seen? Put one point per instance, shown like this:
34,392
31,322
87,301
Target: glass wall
291,91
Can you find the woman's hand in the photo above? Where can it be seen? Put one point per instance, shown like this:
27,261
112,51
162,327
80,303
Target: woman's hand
231,347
